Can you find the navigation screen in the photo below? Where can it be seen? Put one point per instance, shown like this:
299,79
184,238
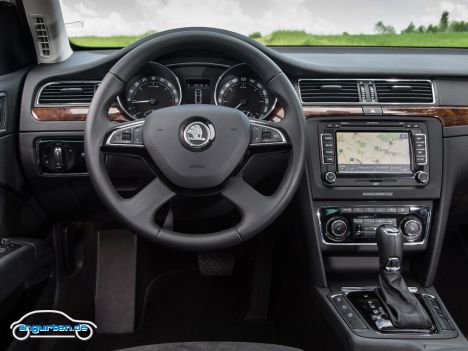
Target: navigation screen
373,152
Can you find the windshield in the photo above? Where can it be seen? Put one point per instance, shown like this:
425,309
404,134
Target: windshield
428,23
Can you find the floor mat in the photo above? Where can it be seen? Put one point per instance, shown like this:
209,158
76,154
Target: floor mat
185,306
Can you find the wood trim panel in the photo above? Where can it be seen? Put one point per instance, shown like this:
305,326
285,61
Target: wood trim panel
448,116
323,111
65,114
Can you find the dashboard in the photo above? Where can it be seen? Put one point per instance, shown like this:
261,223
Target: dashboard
378,131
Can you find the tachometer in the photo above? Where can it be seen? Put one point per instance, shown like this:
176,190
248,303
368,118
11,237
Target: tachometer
151,93
239,88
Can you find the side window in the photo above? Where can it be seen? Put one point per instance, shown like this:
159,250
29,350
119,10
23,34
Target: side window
15,43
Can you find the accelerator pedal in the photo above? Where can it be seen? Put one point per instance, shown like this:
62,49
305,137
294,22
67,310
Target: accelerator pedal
217,264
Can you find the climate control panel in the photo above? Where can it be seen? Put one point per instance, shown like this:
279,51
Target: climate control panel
358,224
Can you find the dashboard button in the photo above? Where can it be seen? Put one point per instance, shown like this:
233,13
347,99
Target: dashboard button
373,110
420,138
329,159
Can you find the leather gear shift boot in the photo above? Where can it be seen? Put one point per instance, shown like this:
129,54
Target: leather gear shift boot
404,309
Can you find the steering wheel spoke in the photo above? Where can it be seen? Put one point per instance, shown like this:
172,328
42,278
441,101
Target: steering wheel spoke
125,138
267,137
249,201
144,205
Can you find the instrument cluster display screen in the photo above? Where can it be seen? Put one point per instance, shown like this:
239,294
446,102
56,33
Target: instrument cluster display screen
373,152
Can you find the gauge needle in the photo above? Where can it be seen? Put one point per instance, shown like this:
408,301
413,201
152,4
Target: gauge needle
242,102
150,101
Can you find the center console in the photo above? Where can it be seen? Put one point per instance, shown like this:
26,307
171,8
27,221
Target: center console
368,173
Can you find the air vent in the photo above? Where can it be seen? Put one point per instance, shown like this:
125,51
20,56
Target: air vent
404,91
42,36
67,93
338,91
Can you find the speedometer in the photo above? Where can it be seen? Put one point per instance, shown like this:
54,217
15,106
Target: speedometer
239,88
151,93
153,87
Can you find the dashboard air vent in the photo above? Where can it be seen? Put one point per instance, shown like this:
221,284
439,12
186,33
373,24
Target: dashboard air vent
404,91
67,93
42,35
314,91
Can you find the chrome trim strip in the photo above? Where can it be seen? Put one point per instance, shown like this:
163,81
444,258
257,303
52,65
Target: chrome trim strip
348,289
366,103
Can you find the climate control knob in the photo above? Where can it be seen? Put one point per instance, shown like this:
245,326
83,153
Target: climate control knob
337,229
412,228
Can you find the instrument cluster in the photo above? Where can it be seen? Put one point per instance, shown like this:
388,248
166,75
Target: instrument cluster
157,86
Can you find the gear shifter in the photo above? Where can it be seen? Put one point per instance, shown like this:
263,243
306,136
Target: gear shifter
404,309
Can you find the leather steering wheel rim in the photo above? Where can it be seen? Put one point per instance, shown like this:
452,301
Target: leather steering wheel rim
257,211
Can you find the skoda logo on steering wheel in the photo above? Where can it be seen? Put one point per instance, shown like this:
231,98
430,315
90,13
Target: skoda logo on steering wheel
197,135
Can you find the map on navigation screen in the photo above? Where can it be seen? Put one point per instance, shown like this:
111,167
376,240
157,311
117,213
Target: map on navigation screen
373,152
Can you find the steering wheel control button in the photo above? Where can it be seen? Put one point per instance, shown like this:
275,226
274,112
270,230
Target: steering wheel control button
262,134
198,134
129,135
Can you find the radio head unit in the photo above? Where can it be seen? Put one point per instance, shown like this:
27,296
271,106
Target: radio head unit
378,153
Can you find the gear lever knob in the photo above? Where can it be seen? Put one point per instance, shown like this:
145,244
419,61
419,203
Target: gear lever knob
390,245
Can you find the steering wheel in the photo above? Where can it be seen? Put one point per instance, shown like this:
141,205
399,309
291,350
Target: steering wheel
195,148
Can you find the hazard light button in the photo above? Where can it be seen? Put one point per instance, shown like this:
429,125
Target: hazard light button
372,110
